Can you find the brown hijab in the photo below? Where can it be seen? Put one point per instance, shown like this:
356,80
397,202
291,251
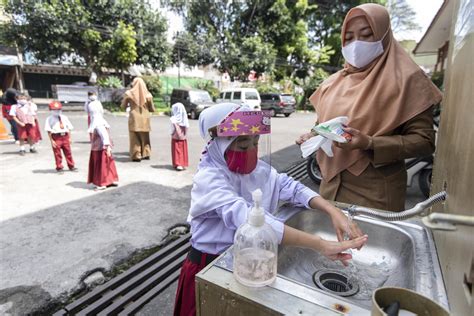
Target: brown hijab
377,98
139,93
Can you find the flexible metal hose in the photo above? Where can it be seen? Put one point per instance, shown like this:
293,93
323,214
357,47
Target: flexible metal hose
397,216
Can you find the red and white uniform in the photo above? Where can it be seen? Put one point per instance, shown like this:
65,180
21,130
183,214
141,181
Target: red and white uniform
102,170
25,114
60,127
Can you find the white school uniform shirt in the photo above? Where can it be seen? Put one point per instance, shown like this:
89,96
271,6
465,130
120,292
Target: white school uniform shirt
53,126
104,135
28,112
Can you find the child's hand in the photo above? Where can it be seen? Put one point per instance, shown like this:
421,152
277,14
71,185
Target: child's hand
334,250
22,124
53,143
108,151
341,225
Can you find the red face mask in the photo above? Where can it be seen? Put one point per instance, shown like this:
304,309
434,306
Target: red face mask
243,162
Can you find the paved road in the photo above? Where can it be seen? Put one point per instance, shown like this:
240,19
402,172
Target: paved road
55,229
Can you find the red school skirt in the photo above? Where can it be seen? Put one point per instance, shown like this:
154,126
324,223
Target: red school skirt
102,170
37,132
26,132
179,152
185,302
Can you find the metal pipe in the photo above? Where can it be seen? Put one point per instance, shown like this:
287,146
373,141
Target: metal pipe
397,216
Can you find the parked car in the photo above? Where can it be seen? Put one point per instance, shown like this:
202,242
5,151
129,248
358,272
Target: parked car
194,100
248,96
278,103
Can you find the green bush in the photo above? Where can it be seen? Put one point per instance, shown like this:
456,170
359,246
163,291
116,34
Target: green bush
112,106
265,87
153,83
110,82
438,79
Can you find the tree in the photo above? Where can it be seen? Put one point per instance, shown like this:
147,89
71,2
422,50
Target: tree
97,34
402,16
239,36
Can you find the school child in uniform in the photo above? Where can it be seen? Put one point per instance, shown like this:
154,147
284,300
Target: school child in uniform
91,97
59,128
102,170
23,115
34,111
221,198
179,129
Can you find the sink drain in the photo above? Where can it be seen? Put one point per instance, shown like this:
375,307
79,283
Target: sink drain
335,282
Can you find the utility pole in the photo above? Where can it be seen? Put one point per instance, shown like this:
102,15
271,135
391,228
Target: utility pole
179,67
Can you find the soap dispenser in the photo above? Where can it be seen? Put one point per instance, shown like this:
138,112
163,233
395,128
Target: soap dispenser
255,248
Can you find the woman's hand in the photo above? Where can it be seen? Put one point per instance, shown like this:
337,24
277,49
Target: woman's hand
304,138
358,141
334,250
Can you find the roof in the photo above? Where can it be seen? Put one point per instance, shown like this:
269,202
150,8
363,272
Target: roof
438,32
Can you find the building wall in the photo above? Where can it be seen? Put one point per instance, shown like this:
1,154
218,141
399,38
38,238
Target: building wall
39,85
453,168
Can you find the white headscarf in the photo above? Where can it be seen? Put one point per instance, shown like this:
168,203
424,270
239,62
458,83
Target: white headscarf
178,116
214,184
96,112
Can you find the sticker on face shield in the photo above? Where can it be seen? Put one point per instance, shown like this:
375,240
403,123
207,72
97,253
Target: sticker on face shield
240,123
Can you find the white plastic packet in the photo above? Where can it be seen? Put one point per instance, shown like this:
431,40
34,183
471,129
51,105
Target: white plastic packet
328,131
314,143
127,111
332,129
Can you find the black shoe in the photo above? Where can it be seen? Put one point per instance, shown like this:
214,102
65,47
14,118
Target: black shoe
136,160
60,171
33,151
73,169
146,158
22,152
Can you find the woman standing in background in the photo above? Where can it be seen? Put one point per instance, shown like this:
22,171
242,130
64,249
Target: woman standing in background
140,101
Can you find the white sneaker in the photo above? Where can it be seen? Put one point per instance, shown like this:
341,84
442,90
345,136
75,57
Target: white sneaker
179,168
100,188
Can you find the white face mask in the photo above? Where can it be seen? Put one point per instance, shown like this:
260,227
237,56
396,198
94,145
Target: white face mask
22,102
93,97
56,112
360,53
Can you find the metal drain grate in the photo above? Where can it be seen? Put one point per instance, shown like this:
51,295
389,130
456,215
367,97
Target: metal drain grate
335,282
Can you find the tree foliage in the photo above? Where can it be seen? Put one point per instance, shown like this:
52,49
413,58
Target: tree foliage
240,36
104,33
402,16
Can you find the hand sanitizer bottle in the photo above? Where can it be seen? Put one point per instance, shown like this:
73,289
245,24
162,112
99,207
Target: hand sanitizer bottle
255,248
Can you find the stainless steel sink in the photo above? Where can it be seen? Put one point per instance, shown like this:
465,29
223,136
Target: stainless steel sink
400,254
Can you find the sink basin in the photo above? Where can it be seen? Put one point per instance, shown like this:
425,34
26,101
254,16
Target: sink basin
400,254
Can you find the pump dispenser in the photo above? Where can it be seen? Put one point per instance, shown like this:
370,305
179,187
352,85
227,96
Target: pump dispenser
255,248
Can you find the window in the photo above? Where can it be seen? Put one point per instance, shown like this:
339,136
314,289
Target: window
200,96
221,95
237,95
251,95
227,95
265,97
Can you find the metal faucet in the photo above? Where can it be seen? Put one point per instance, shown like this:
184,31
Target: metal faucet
441,221
354,210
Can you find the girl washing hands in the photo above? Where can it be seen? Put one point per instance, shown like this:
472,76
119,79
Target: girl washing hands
229,170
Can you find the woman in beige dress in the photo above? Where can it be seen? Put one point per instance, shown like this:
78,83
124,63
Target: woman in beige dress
388,100
140,101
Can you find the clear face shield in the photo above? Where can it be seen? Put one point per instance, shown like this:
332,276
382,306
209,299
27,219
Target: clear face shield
249,153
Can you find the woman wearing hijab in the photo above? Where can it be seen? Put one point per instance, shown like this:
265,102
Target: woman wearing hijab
179,129
388,100
140,101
